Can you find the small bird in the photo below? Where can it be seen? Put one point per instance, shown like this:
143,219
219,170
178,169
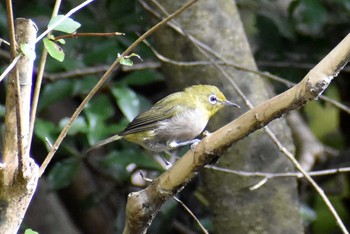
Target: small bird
174,121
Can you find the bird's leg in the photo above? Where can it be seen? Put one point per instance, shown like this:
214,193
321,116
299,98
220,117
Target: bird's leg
175,144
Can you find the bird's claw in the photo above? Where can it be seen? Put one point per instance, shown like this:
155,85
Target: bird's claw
206,133
195,143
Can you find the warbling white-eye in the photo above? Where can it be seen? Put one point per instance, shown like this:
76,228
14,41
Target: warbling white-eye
175,120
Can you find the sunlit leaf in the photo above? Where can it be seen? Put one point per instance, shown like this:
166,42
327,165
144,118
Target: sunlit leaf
54,50
30,231
125,60
68,25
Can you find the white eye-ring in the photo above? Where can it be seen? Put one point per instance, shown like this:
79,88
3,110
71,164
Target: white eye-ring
213,99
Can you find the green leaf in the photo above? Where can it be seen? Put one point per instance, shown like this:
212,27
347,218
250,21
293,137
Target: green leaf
127,101
78,126
45,130
125,60
55,92
143,77
98,110
28,51
54,50
68,25
62,173
30,231
312,15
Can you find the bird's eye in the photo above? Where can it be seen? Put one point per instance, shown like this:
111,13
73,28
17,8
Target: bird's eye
213,99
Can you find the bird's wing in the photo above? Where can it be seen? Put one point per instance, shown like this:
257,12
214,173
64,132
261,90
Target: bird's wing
162,110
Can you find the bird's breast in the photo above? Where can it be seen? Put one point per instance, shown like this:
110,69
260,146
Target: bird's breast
183,126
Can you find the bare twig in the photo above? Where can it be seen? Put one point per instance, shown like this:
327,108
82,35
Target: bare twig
280,175
289,64
76,35
10,67
5,42
309,179
191,213
39,78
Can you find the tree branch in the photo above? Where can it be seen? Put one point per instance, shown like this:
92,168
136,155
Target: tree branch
143,205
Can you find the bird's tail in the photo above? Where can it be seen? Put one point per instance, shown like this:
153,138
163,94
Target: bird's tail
104,142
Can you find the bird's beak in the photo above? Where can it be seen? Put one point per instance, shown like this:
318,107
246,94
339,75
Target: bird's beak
229,103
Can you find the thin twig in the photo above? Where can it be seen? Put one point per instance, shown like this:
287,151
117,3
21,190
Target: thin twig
191,213
10,67
15,77
102,81
288,65
280,175
11,28
308,178
5,42
76,35
39,79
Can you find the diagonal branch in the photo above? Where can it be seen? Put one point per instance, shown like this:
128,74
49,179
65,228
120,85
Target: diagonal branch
143,205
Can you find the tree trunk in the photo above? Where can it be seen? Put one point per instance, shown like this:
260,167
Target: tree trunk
18,173
272,208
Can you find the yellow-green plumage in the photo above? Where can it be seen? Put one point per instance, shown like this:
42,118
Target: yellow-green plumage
175,120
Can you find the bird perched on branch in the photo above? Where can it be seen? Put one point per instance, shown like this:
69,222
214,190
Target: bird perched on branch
173,121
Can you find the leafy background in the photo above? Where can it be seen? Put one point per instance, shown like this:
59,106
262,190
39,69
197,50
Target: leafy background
288,38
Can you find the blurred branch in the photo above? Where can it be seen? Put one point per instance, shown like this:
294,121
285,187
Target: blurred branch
280,175
291,65
310,149
97,70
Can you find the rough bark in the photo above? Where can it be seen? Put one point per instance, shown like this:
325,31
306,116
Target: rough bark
19,174
273,208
